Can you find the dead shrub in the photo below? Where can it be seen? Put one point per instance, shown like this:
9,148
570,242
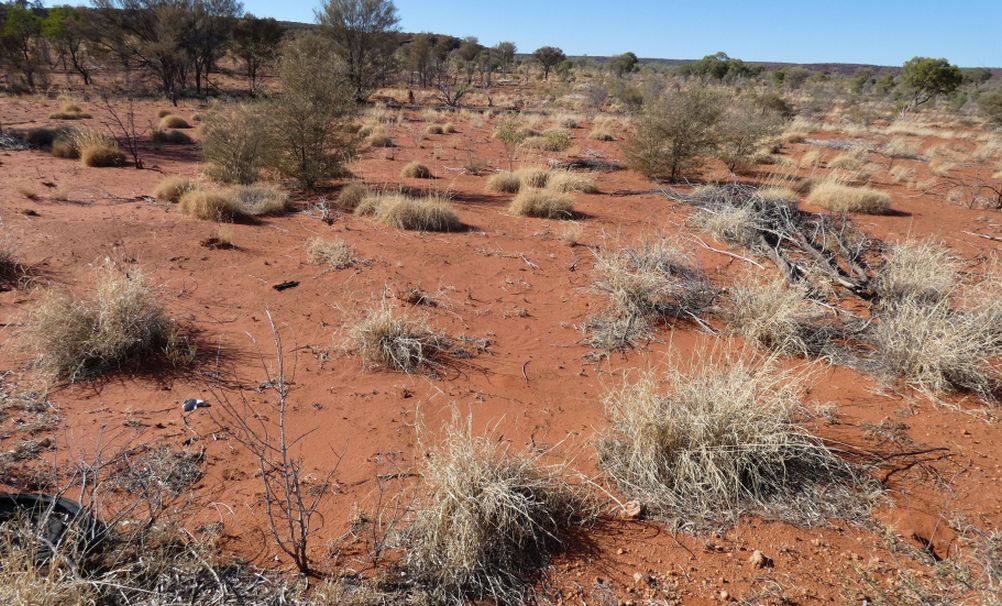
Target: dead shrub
75,337
846,198
170,189
543,204
338,254
487,521
390,339
173,121
416,170
504,183
921,271
211,206
708,445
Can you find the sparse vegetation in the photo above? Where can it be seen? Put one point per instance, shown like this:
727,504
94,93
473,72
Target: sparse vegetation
390,339
171,189
235,144
918,271
415,170
211,206
405,212
777,316
173,121
504,183
75,337
569,181
95,149
338,254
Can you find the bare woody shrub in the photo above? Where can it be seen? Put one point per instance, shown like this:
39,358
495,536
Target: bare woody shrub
236,144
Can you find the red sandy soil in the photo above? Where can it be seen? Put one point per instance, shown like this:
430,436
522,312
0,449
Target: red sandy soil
508,279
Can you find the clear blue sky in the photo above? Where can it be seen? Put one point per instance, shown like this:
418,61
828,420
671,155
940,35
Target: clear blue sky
885,32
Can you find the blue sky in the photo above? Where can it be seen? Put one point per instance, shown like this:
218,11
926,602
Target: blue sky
885,32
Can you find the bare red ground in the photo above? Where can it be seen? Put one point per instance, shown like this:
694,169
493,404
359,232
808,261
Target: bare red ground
508,279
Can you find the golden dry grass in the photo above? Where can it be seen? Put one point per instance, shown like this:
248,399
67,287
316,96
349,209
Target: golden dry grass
416,170
337,253
170,189
846,198
211,206
569,181
390,339
351,196
504,183
543,204
173,121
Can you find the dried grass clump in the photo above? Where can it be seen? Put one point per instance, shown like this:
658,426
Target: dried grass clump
259,200
551,140
76,337
644,284
173,121
416,170
811,158
533,177
921,271
600,133
172,136
488,521
433,129
569,181
449,128
936,349
846,198
170,189
163,113
378,136
211,206
10,268
851,160
775,315
543,204
732,224
405,212
720,440
338,254
351,196
901,148
94,149
390,339
70,111
41,136
902,174
504,183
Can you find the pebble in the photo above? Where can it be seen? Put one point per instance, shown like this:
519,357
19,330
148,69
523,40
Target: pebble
760,560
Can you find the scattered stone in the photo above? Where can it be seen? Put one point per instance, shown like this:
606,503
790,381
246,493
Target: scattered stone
760,560
632,510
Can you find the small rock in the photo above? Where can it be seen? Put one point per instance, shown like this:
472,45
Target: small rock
760,560
632,510
724,596
620,551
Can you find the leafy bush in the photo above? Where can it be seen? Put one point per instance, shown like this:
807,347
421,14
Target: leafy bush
670,134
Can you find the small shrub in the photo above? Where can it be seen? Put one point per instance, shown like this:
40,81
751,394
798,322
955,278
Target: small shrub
744,129
449,128
569,181
351,196
174,137
419,214
919,271
434,129
846,198
338,254
170,189
600,133
720,440
379,137
173,121
42,136
211,206
504,183
487,521
235,144
901,148
392,340
551,140
415,170
76,337
63,146
732,224
543,204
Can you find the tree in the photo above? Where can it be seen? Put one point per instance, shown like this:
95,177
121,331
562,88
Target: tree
19,38
467,54
363,33
977,76
927,78
548,57
624,64
310,118
255,42
672,132
990,104
505,52
210,28
69,29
